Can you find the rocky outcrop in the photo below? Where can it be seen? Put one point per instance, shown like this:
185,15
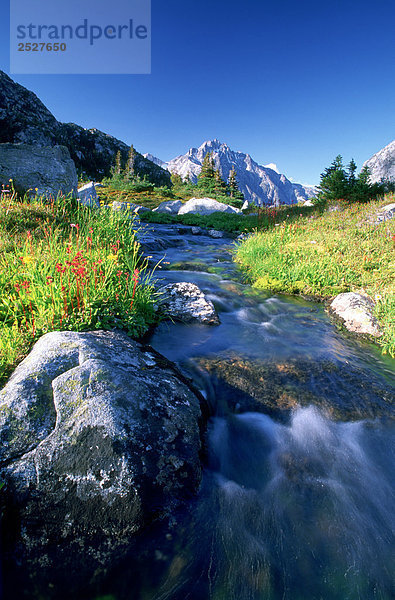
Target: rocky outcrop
206,206
356,311
43,170
99,437
185,302
25,119
259,184
94,153
382,164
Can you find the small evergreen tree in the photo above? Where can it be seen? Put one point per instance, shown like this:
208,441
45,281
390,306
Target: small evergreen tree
117,166
233,186
176,179
220,186
206,179
129,172
352,168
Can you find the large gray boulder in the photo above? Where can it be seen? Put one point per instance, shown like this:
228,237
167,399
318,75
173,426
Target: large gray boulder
50,170
356,311
185,302
170,207
206,206
99,436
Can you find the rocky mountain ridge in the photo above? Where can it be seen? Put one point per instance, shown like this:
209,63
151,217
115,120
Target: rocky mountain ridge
259,184
382,164
25,119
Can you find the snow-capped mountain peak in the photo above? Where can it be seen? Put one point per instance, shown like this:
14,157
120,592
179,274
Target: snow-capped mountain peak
259,184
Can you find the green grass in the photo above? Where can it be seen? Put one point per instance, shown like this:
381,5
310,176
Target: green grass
263,219
325,254
67,267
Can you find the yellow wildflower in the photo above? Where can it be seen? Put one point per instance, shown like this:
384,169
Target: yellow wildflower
26,260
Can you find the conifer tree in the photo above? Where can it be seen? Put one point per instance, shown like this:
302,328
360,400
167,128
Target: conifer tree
129,172
220,185
175,179
118,163
207,174
233,186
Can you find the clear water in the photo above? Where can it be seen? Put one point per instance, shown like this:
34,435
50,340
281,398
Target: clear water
300,507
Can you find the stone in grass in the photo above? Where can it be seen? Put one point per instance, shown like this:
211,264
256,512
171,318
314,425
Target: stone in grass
98,437
206,206
185,302
87,195
386,213
356,311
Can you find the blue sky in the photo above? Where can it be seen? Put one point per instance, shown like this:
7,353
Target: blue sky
293,83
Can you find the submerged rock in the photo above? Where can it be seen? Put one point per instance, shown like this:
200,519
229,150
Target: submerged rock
186,302
241,384
98,438
215,234
357,313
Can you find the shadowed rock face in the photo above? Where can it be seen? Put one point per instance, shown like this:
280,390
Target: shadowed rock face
98,438
49,170
25,119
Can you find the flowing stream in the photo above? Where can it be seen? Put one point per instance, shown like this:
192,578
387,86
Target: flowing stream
297,494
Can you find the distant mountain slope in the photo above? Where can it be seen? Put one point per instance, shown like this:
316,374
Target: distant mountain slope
382,164
259,184
24,118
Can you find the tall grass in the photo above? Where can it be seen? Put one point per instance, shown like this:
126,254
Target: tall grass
67,267
323,255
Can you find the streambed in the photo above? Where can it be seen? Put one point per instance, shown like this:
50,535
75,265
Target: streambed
297,493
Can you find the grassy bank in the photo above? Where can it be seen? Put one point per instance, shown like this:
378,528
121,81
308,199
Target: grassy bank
325,254
67,267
